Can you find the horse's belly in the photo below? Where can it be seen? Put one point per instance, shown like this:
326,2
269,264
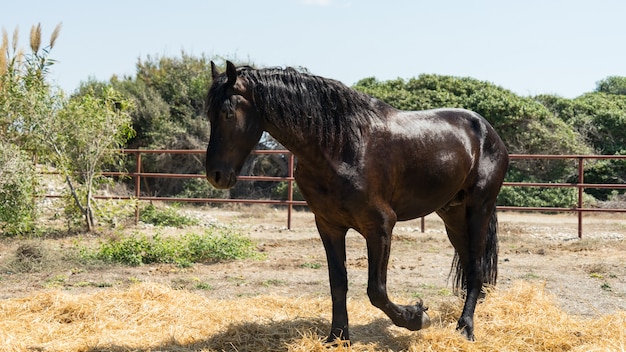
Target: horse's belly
415,207
419,193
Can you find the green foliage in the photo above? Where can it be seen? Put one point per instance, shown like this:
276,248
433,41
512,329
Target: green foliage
309,265
612,85
168,96
18,185
73,214
115,212
200,188
166,216
68,139
538,197
77,135
606,171
25,96
191,248
151,117
281,191
600,118
182,83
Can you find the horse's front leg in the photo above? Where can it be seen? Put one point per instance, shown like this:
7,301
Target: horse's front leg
334,239
412,317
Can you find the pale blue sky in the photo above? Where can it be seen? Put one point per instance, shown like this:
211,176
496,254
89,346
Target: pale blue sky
531,47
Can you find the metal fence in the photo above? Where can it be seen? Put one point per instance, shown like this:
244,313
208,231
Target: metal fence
580,185
579,209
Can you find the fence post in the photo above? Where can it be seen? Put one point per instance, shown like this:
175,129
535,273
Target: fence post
290,191
581,181
137,184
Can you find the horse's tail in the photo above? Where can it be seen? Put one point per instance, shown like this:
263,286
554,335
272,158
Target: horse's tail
489,261
490,256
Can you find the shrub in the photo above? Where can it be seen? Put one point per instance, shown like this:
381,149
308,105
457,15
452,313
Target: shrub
281,191
191,248
114,212
538,197
200,188
165,217
18,184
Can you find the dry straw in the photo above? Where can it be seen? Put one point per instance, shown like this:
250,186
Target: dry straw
149,317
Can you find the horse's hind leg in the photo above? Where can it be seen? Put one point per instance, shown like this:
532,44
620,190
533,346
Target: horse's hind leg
472,233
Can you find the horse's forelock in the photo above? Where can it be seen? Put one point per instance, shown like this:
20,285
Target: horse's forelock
217,93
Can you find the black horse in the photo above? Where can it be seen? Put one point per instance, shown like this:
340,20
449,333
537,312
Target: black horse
365,165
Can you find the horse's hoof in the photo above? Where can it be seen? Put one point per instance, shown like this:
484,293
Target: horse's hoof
334,342
425,320
338,337
469,336
415,317
466,328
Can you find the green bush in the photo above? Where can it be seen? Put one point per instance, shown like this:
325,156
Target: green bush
165,217
281,191
200,188
18,184
191,248
114,212
606,171
538,197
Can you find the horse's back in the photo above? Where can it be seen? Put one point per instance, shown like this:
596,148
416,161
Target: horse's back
420,160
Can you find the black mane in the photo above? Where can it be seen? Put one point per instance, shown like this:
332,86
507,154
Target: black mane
308,106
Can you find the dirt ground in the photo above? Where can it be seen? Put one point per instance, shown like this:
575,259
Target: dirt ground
587,275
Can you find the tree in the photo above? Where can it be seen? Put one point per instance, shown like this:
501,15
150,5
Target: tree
168,112
18,189
84,135
75,135
183,84
612,85
600,118
24,98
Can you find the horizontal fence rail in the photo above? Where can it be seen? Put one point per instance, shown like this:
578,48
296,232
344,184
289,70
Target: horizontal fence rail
138,175
580,185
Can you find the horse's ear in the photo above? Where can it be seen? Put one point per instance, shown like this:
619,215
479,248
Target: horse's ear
214,71
231,73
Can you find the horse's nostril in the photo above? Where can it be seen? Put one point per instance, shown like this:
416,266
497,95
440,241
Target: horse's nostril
217,176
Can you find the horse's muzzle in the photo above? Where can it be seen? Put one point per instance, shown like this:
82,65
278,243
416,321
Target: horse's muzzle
221,179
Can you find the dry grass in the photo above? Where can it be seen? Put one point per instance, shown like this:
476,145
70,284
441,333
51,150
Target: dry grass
149,317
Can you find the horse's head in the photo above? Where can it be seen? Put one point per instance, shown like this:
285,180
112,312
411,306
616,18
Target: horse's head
236,126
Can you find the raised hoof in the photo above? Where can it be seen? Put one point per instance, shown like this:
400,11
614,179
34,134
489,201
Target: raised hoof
416,317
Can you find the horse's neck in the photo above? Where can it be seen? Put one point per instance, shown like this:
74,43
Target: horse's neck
301,146
310,151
